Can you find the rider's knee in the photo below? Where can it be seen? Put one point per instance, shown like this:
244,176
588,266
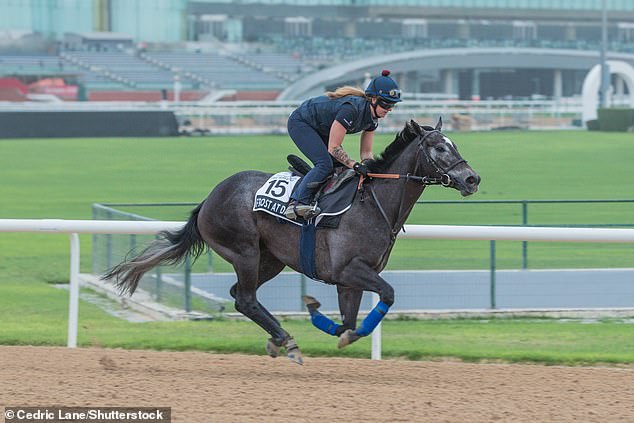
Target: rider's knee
325,166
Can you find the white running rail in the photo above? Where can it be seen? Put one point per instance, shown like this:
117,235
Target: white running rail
75,227
498,233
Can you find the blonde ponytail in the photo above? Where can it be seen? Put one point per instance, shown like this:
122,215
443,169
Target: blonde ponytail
344,91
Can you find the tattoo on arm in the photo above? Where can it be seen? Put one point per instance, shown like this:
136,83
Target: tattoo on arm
339,154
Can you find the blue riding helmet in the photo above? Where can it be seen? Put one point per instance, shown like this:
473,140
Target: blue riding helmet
383,86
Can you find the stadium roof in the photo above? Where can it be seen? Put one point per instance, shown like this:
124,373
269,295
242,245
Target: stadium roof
466,58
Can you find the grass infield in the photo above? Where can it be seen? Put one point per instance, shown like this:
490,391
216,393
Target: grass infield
61,178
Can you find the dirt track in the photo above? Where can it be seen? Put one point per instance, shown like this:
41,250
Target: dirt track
211,388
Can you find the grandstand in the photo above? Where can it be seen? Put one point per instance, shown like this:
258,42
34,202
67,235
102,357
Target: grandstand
217,71
261,48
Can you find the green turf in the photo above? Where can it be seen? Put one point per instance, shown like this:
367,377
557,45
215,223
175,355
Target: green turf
61,178
35,314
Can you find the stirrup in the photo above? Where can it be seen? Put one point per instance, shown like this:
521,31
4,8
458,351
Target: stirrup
295,209
290,211
311,212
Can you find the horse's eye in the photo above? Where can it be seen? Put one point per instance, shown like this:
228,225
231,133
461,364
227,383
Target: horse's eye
439,148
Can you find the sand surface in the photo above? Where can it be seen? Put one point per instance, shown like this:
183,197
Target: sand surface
209,388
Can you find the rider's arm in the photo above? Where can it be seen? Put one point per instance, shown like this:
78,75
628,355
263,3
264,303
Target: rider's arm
367,137
343,122
335,139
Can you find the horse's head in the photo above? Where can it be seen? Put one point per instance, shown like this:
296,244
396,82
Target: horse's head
438,157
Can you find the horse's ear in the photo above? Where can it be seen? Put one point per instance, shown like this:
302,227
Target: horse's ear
415,127
439,124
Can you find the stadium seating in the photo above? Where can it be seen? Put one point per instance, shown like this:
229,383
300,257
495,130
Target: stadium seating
31,64
266,66
286,66
217,71
319,51
123,68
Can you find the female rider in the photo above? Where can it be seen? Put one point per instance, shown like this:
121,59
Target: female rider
319,125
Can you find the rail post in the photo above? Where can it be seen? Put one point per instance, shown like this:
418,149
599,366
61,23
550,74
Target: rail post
73,305
524,243
376,333
302,290
492,293
188,284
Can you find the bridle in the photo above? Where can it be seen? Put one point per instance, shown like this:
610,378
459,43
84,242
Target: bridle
443,179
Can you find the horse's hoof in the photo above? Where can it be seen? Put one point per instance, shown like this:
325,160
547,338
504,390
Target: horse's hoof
293,353
311,302
347,338
295,356
272,349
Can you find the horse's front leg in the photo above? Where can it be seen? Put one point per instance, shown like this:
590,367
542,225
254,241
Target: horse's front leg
349,301
361,277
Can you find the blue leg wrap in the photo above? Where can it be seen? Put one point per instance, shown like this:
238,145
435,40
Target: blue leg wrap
373,319
323,323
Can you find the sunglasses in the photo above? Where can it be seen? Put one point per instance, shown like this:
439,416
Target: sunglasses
387,105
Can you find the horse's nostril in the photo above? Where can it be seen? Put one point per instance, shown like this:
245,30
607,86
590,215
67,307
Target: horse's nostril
472,180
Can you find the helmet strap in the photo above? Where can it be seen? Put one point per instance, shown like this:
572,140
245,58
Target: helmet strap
374,106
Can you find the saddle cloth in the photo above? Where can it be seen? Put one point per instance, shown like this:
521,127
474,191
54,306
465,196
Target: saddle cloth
274,195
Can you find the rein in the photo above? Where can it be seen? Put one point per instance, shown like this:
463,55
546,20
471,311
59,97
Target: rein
444,179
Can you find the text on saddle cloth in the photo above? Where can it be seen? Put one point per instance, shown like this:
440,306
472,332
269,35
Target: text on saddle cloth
274,195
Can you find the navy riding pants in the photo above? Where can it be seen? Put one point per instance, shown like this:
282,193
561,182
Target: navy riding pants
315,148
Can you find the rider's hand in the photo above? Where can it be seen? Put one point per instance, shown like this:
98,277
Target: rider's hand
361,169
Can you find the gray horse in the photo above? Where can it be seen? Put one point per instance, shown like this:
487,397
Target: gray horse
350,257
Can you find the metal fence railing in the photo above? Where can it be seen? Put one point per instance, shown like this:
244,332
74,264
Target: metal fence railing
426,274
169,285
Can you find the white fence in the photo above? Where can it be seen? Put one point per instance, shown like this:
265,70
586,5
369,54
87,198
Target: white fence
502,233
270,117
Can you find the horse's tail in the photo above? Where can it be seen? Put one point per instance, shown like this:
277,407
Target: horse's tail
170,248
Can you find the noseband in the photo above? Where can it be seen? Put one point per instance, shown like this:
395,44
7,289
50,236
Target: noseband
444,179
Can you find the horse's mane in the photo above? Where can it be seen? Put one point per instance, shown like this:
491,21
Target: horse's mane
381,162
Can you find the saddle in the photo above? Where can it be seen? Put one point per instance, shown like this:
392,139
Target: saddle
331,184
334,197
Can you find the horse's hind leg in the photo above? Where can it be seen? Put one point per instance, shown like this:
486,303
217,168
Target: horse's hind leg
246,301
244,292
269,267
